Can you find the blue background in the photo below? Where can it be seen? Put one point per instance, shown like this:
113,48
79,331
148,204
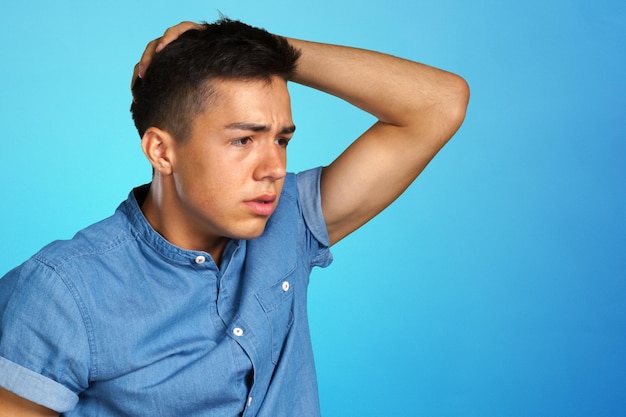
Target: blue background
496,286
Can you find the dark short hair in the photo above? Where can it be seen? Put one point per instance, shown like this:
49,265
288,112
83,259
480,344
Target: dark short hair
177,86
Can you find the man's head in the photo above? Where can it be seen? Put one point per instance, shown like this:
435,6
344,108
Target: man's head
214,114
179,83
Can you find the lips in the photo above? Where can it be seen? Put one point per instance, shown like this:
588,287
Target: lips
262,205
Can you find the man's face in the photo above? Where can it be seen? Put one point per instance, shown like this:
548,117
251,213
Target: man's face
229,174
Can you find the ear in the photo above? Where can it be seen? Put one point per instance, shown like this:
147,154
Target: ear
158,146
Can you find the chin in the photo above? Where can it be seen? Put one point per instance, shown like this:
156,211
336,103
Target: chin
250,233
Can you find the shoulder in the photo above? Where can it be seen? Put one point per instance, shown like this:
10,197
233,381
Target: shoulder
98,238
57,267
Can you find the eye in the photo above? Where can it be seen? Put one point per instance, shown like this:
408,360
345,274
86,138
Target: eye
241,141
282,142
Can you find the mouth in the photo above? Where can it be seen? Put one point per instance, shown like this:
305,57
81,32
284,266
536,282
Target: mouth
262,205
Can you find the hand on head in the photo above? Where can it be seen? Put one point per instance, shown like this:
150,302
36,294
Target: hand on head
157,45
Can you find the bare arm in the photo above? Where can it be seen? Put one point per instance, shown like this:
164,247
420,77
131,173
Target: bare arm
13,406
418,108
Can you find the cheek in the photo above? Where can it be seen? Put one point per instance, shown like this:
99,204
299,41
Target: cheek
212,176
217,185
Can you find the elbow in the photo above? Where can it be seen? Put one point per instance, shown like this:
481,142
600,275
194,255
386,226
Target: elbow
456,103
434,115
451,108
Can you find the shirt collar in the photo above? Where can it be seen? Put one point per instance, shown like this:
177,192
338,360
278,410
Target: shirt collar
142,229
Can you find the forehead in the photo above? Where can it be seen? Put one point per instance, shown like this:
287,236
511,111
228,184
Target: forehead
250,96
244,103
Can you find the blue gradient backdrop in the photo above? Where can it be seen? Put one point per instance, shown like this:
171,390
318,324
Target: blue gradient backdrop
496,286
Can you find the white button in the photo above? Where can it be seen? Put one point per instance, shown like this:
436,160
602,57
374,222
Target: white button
285,285
249,401
200,259
237,331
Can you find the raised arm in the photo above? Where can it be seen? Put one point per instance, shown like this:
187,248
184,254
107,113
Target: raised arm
418,108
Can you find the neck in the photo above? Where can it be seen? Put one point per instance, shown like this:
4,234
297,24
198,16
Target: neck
166,220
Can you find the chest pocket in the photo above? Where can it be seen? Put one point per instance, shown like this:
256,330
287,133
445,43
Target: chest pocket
277,303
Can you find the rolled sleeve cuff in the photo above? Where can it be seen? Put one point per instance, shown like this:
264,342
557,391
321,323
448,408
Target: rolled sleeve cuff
35,387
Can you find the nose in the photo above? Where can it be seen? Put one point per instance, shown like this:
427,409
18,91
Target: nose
272,164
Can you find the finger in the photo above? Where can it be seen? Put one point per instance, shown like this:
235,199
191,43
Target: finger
136,72
174,32
155,46
146,58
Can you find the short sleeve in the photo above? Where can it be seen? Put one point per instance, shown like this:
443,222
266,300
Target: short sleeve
310,201
44,348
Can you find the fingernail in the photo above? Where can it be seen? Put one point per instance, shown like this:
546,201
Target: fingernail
140,71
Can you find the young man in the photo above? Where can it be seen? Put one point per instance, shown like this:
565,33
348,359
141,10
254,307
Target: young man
191,299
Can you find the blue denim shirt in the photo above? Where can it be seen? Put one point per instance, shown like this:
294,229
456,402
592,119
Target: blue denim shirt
119,322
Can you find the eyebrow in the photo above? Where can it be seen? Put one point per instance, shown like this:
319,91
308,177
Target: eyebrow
255,127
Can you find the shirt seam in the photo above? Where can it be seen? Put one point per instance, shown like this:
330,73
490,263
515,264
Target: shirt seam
80,304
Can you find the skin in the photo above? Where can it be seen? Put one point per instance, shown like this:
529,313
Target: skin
418,109
225,179
13,406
